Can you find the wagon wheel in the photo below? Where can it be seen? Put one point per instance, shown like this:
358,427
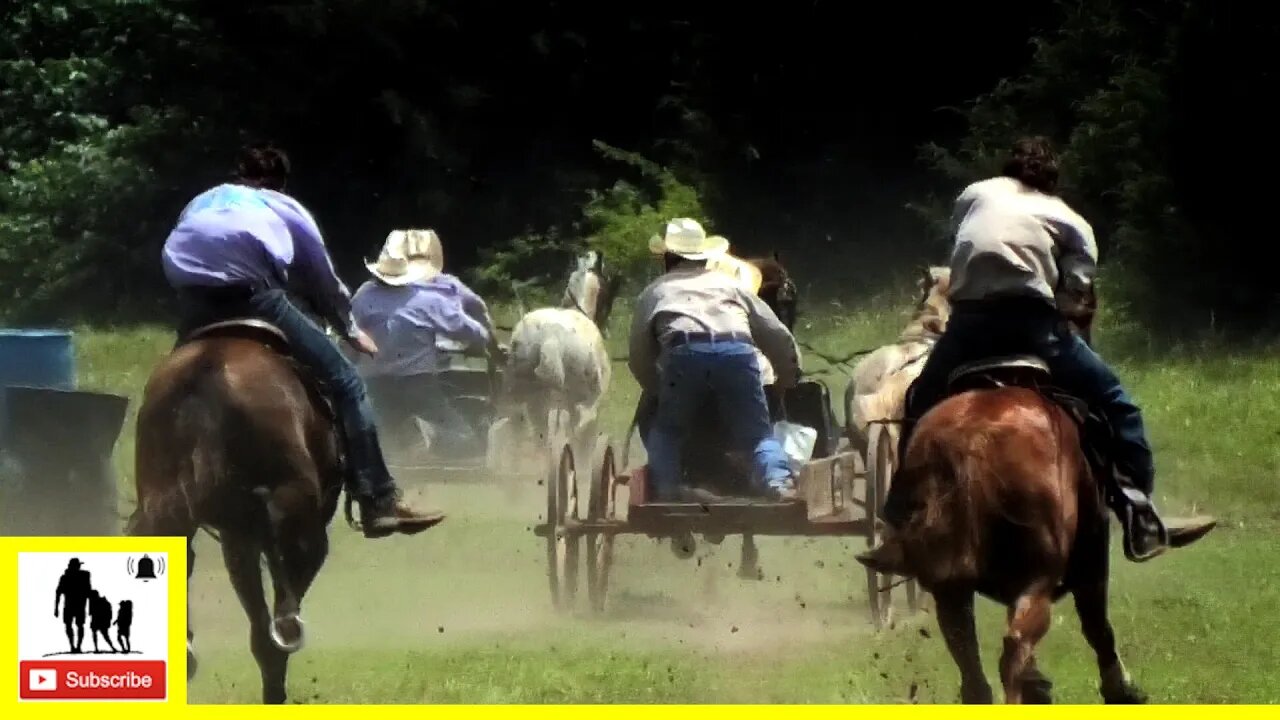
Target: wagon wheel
563,542
601,506
879,467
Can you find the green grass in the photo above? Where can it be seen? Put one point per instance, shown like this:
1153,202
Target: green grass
462,613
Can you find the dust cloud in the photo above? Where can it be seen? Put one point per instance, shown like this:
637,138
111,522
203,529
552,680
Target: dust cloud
482,574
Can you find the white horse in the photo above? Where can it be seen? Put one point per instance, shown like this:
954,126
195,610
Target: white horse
880,380
558,368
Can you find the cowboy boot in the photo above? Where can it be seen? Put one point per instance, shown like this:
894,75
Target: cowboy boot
887,558
390,514
1146,534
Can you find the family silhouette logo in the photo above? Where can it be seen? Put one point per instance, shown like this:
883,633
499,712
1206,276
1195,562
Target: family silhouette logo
92,626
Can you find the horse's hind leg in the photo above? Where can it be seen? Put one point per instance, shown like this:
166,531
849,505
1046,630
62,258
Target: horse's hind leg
294,560
1091,605
1028,624
192,663
955,619
141,524
1037,688
242,557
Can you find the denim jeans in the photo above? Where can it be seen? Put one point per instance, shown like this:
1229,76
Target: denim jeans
397,400
730,373
368,477
1018,326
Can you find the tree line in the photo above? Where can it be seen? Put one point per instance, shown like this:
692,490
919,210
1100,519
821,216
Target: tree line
522,130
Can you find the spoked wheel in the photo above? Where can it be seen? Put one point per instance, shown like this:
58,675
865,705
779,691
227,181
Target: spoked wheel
601,506
563,542
879,469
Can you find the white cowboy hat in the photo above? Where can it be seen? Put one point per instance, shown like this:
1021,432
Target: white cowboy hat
748,276
686,238
409,256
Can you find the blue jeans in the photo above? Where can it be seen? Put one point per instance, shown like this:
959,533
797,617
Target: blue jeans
729,373
368,477
399,399
1026,326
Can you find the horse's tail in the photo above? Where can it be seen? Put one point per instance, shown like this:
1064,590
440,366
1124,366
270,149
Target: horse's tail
946,537
550,367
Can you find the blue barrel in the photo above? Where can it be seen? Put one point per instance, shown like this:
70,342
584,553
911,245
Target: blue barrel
35,357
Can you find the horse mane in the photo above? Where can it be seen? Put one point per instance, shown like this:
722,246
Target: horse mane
933,309
591,289
774,280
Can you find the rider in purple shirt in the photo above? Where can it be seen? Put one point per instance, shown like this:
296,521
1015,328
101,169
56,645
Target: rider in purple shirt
235,250
408,322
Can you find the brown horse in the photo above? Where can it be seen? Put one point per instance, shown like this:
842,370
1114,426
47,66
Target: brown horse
234,439
1013,511
777,290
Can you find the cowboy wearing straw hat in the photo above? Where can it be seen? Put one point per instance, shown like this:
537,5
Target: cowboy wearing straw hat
695,335
410,308
232,254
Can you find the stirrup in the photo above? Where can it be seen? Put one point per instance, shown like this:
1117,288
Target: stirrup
1128,525
349,501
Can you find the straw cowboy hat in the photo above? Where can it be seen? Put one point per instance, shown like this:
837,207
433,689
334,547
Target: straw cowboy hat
748,276
686,238
409,256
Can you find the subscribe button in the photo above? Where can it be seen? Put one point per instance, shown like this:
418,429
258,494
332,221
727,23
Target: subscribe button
91,680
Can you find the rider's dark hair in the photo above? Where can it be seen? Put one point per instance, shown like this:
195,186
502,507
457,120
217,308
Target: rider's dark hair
1033,162
671,260
263,165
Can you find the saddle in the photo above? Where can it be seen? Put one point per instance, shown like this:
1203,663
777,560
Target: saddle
274,338
248,328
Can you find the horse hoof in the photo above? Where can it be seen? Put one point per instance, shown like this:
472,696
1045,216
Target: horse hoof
287,633
1037,691
192,663
684,546
976,695
1126,695
1118,688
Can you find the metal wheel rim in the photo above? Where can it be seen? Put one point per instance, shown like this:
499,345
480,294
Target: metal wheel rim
562,545
603,506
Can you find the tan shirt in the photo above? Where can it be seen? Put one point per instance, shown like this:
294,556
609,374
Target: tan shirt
1012,240
694,299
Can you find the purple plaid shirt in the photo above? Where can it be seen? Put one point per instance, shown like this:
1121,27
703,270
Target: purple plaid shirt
238,235
407,322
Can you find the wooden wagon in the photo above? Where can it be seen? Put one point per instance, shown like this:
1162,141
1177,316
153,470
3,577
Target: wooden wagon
584,514
471,384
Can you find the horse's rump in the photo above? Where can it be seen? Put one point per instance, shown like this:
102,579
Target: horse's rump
561,350
998,477
222,417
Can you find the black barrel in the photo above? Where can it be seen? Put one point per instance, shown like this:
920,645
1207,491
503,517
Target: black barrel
58,477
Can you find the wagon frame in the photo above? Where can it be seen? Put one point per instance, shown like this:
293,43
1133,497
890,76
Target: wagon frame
834,491
473,391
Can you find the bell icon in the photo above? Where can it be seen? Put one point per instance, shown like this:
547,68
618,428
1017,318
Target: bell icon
146,569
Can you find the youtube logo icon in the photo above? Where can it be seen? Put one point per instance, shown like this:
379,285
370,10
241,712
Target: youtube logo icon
42,680
92,680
